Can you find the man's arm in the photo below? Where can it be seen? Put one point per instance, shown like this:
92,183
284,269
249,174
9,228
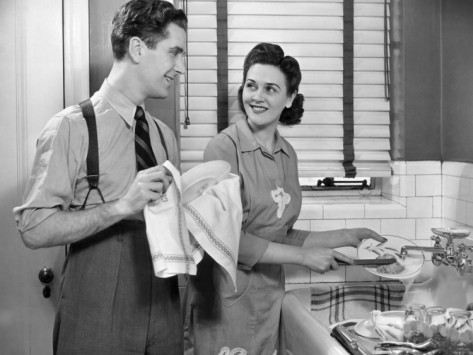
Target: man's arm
65,227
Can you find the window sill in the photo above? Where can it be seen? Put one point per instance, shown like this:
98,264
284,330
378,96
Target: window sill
350,207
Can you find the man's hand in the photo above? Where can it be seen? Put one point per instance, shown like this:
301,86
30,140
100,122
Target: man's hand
149,185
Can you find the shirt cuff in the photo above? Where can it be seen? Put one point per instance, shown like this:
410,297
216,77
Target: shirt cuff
29,218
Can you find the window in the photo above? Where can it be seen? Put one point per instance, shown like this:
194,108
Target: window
312,32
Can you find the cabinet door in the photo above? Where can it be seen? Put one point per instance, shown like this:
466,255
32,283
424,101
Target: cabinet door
31,92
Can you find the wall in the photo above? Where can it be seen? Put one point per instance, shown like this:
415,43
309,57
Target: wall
457,80
422,70
432,99
417,197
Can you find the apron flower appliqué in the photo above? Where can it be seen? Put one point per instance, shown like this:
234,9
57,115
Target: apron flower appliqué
281,198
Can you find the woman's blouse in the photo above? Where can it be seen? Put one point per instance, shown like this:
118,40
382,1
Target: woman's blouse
270,190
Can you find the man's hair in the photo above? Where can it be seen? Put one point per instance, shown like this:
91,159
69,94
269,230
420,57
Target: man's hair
146,19
272,54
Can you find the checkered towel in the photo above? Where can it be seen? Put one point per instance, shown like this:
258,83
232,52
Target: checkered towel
335,303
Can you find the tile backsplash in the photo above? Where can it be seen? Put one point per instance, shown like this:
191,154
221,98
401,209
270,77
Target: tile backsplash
417,197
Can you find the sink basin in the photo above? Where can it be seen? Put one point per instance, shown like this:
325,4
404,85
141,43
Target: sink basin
445,287
302,334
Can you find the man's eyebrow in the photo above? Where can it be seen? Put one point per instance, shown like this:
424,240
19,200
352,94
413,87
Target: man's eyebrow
176,49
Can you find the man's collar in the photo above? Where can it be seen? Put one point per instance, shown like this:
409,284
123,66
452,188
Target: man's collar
120,103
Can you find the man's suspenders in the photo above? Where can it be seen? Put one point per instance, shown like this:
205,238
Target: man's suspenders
93,152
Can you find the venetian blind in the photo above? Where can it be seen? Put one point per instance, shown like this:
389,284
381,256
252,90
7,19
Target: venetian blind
312,32
201,104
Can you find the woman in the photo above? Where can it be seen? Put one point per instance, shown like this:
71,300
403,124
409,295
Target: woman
220,320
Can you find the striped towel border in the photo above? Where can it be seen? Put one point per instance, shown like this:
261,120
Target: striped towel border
336,303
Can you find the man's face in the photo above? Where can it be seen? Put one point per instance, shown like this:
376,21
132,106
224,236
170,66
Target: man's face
161,64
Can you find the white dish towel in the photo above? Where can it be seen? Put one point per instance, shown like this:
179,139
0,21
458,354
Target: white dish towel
213,219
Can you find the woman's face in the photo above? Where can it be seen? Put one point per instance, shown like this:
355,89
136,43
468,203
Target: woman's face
265,95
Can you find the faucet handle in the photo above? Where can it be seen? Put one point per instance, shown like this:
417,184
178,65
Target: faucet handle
436,239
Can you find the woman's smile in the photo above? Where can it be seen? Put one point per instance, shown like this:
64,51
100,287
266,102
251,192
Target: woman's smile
258,109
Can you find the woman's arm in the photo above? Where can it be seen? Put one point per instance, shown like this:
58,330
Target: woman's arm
319,260
317,252
340,238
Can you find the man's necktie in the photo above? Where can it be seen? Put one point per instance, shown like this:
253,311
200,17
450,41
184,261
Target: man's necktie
144,153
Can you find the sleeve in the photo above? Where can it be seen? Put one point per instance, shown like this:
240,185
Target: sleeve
252,248
296,237
50,185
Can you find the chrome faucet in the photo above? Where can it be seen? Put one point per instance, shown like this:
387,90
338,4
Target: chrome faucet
447,255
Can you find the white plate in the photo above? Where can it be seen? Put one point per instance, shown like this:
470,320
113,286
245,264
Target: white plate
197,188
198,179
413,261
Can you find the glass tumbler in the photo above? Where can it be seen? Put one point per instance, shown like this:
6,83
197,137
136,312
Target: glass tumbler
414,323
459,328
435,322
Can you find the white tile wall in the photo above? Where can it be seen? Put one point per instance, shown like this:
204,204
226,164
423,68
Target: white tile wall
419,207
402,227
428,185
423,168
417,197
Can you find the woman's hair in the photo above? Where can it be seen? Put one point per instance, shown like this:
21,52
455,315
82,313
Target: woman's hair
272,54
146,19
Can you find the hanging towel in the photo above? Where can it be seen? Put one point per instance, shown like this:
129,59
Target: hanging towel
212,213
214,219
172,250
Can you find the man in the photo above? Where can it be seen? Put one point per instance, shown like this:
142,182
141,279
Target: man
111,302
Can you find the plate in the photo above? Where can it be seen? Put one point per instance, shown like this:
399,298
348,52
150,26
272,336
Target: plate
413,262
365,328
198,179
196,189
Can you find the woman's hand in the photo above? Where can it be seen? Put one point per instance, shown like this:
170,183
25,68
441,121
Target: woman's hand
354,236
322,260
